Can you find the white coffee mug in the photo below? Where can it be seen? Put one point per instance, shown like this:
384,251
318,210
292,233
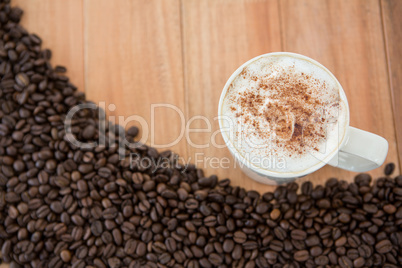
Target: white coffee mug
357,150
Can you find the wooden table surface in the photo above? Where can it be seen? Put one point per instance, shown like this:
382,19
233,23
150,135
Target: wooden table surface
133,54
137,53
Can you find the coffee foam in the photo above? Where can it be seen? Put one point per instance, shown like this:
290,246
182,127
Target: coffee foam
285,111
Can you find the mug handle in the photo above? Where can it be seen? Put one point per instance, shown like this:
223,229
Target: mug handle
362,151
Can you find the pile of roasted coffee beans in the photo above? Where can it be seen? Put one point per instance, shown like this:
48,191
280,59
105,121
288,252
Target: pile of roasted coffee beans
65,206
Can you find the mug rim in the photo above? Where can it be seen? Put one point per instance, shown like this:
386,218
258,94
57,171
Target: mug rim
270,173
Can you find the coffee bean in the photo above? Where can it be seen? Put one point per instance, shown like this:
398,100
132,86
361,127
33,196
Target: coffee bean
370,208
345,262
22,79
237,252
324,203
114,262
171,244
210,221
205,210
321,260
132,131
104,172
315,251
280,233
276,245
88,132
350,200
205,182
82,252
130,246
65,255
365,251
389,208
169,194
215,259
301,255
389,169
344,218
383,246
368,238
275,214
239,237
359,262
341,241
197,252
228,245
262,208
43,211
298,234
352,254
179,256
312,241
158,247
85,168
96,228
141,249
216,197
271,256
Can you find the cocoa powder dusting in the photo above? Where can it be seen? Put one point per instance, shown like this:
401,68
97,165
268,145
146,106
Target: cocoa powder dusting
292,109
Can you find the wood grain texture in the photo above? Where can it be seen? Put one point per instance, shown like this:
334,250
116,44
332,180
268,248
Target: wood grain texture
133,59
347,38
219,36
60,26
392,22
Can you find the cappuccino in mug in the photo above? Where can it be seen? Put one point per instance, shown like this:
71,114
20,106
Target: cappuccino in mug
284,114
